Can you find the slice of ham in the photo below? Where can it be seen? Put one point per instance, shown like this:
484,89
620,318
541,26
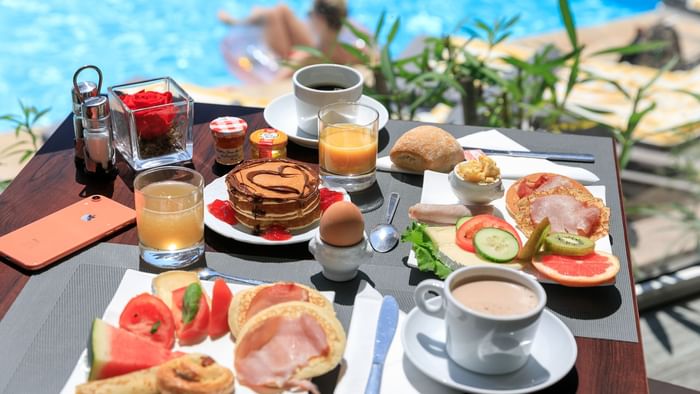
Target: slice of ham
555,181
276,294
268,356
565,213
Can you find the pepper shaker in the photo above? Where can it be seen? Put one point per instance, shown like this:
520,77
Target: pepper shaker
100,158
80,92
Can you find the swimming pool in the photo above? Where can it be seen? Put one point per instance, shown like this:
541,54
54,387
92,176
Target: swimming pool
44,41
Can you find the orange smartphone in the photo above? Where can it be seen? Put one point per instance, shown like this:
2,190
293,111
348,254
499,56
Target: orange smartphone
61,233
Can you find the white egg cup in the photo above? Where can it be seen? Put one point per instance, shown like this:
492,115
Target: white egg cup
340,264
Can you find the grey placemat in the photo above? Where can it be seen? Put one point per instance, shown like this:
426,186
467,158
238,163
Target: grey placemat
47,327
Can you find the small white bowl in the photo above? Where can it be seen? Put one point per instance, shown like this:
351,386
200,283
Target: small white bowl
473,192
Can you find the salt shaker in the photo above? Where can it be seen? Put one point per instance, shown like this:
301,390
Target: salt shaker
80,92
100,159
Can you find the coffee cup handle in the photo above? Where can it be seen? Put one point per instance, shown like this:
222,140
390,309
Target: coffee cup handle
419,296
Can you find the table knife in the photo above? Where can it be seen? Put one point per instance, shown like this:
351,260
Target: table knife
558,156
386,328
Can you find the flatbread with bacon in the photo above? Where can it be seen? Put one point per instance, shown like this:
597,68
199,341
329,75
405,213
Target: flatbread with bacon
538,182
569,210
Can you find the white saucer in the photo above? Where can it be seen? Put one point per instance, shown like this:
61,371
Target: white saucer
281,114
553,355
217,191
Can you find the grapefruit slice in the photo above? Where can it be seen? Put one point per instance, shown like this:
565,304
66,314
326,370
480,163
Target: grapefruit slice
577,271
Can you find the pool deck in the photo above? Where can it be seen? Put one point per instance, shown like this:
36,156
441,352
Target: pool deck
622,31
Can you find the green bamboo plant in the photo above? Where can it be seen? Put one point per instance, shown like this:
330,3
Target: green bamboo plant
24,124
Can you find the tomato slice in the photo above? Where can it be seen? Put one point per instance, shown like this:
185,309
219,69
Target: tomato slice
527,186
196,330
220,301
466,232
147,316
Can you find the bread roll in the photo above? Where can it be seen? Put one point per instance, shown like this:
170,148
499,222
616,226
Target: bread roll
427,148
238,310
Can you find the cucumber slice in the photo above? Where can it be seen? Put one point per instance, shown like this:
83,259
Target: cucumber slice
461,221
496,245
569,244
534,243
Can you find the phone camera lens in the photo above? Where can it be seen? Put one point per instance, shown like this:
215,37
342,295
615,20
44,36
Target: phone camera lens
95,198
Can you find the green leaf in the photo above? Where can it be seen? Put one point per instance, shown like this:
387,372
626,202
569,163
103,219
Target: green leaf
357,32
387,68
393,31
358,54
315,52
154,327
667,67
633,48
425,250
569,23
636,117
27,154
595,110
190,302
573,76
380,24
688,92
40,114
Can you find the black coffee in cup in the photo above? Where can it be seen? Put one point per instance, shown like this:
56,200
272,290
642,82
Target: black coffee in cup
327,87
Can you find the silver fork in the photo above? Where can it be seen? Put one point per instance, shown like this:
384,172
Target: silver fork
208,273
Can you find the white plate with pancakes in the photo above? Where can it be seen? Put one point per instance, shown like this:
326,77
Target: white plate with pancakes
281,114
217,190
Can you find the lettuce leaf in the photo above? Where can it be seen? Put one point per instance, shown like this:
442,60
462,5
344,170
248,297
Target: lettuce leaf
425,250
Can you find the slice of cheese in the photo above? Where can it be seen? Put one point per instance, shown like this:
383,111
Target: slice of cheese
164,284
452,255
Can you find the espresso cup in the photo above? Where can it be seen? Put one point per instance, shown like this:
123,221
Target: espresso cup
493,342
318,85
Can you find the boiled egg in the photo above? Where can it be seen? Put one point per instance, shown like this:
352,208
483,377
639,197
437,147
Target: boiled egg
342,224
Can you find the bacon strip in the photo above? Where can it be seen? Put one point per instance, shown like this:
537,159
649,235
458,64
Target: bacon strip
269,356
566,214
276,294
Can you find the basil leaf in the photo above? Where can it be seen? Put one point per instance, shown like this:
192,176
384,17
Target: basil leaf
190,302
154,327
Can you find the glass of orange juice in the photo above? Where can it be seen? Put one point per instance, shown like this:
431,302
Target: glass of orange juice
170,216
347,145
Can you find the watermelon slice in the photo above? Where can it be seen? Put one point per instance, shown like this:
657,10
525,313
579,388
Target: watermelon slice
113,351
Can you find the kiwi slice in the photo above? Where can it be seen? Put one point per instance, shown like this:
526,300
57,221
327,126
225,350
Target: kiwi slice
534,243
569,244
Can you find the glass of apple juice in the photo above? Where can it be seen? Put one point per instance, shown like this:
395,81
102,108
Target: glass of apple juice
170,216
347,146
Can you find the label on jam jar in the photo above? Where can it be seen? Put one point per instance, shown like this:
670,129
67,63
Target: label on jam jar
229,137
229,156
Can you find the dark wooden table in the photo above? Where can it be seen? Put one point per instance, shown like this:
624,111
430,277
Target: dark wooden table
50,182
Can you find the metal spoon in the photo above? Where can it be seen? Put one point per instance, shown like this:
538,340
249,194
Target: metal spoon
384,237
208,273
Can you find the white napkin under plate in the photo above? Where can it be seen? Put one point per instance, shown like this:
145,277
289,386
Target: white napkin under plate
511,167
400,375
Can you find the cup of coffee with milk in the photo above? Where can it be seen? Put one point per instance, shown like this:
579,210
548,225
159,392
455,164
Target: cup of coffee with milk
318,85
491,315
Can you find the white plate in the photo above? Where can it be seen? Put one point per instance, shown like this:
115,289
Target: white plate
217,191
134,283
281,114
553,355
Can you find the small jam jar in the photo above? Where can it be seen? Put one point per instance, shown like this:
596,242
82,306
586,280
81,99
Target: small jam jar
229,138
268,144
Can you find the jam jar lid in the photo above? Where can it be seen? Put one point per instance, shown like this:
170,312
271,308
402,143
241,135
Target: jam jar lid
228,126
268,137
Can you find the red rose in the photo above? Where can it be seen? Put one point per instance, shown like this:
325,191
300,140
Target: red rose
151,123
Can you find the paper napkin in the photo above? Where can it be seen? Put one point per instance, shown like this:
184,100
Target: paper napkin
511,167
400,375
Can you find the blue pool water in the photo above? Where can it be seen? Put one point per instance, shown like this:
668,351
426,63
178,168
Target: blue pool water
43,41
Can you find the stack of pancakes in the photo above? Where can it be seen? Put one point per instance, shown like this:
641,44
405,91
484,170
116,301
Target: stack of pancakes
268,192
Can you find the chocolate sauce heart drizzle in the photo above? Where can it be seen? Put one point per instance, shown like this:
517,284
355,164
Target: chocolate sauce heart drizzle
280,172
